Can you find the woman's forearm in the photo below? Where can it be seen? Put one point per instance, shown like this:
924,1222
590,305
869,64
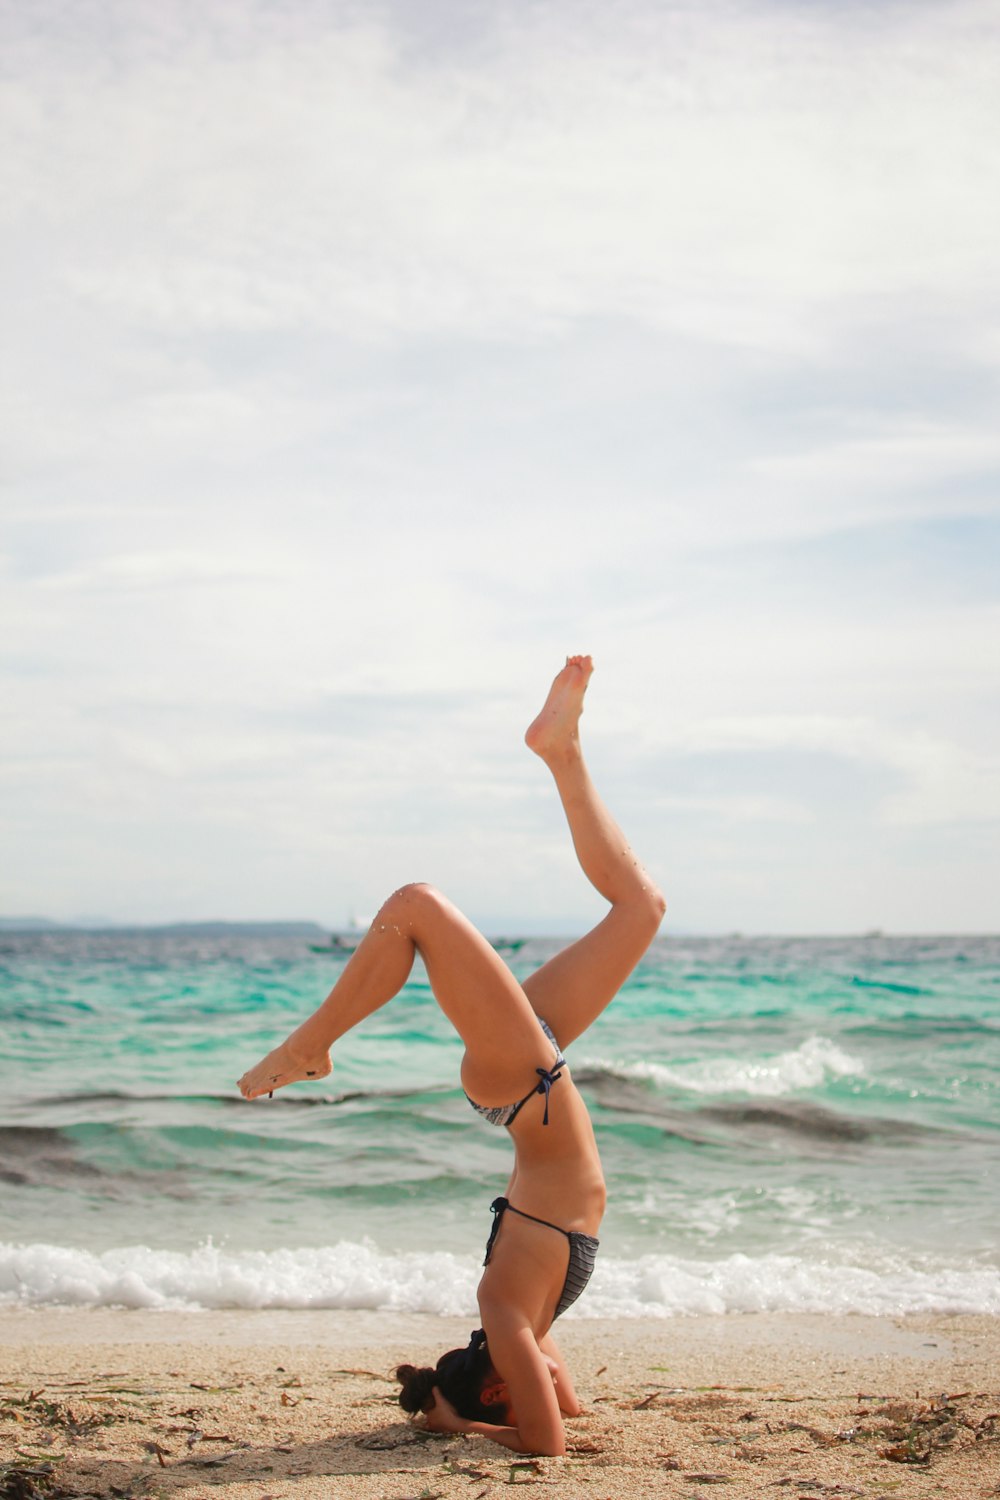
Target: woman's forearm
508,1437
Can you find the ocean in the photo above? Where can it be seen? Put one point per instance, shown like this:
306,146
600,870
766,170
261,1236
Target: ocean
785,1124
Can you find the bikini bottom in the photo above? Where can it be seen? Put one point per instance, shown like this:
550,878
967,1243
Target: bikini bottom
582,1252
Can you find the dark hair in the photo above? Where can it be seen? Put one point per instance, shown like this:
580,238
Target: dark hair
459,1375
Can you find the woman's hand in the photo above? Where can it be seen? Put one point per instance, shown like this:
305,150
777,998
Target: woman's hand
561,1378
442,1416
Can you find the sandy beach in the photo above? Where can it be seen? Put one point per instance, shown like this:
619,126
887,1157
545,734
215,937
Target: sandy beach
276,1405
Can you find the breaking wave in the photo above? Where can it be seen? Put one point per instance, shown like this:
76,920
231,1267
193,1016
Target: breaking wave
360,1276
807,1066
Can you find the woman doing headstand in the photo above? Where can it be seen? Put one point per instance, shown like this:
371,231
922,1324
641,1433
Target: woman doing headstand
511,1383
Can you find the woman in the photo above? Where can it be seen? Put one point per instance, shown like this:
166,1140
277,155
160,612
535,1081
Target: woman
511,1384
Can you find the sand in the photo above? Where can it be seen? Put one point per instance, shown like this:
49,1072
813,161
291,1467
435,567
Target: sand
287,1406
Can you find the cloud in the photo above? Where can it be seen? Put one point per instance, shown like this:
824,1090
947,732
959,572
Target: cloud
138,571
724,175
926,778
903,469
361,360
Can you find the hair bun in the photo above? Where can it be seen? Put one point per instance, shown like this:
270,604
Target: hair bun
417,1385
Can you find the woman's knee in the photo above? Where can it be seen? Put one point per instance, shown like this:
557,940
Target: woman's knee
657,903
418,893
650,907
417,902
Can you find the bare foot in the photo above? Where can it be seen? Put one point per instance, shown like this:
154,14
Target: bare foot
281,1067
556,728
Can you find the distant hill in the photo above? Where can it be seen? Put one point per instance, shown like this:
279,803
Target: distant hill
26,924
222,929
171,929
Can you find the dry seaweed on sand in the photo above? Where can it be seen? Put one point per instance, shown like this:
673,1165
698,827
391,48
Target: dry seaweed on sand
37,1409
28,1480
915,1432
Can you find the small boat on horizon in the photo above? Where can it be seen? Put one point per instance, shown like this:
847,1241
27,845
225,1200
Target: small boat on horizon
340,942
508,945
344,939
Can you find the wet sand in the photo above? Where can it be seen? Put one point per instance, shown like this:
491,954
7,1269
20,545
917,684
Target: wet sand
282,1405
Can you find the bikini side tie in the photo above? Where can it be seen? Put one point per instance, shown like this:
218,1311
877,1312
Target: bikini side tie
548,1077
497,1208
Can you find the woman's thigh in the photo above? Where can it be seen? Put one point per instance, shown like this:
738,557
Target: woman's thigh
572,989
480,996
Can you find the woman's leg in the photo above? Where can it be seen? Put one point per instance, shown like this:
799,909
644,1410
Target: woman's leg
473,986
572,989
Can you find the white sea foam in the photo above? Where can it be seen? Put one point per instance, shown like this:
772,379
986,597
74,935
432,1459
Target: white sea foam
805,1067
353,1275
348,1275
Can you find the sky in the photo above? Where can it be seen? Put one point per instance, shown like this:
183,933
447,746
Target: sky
361,360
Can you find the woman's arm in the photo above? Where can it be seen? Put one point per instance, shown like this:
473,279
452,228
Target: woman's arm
532,1404
443,1417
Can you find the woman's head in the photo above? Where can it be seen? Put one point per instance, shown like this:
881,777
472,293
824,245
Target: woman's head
465,1377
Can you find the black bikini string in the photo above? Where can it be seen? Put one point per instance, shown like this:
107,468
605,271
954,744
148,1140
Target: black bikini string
548,1077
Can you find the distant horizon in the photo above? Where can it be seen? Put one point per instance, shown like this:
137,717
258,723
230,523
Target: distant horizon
513,930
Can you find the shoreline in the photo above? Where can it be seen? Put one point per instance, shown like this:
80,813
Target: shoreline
301,1403
869,1335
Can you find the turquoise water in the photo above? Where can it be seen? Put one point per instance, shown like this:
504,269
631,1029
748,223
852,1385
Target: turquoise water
783,1122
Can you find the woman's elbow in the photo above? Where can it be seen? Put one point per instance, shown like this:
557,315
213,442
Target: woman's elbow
550,1445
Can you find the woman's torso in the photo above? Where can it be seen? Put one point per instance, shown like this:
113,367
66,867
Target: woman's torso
557,1167
557,1179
